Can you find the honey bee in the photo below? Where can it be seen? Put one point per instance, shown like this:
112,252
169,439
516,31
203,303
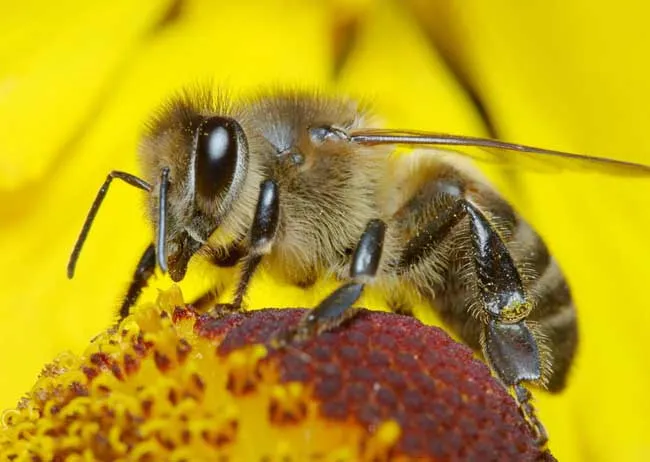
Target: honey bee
301,182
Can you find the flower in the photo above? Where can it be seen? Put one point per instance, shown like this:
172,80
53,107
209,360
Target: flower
172,384
79,80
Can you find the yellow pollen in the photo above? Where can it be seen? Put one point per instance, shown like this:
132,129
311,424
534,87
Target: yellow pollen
380,444
515,312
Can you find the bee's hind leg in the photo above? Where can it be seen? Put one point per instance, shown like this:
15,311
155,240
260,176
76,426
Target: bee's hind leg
337,307
507,342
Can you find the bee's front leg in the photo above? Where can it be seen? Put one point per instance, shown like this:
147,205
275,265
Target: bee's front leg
141,276
262,235
337,307
507,342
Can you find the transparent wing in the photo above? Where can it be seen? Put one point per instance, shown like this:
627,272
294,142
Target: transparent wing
500,152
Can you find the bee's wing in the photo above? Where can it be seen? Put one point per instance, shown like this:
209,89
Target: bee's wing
500,152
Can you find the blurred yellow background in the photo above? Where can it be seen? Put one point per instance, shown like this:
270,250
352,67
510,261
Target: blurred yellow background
79,79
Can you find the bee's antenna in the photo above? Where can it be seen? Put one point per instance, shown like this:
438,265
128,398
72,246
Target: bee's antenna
162,220
127,178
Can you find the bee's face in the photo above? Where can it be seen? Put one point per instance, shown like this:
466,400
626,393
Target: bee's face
207,160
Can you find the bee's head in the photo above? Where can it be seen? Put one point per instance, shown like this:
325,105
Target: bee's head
197,165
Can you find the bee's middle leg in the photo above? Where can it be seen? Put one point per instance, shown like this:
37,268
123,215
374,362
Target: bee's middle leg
337,307
262,235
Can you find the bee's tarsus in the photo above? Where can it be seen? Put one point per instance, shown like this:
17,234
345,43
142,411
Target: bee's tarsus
511,351
523,398
251,262
94,208
333,310
262,234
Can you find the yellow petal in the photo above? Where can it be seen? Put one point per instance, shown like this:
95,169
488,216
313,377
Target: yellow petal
60,62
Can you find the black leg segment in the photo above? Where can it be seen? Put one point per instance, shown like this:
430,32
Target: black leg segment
499,282
251,262
335,309
365,259
262,235
267,217
141,276
512,351
331,311
523,398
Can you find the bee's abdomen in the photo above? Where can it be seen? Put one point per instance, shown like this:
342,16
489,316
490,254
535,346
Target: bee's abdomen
555,311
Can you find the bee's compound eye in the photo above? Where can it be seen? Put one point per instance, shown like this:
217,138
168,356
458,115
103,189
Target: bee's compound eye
220,141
